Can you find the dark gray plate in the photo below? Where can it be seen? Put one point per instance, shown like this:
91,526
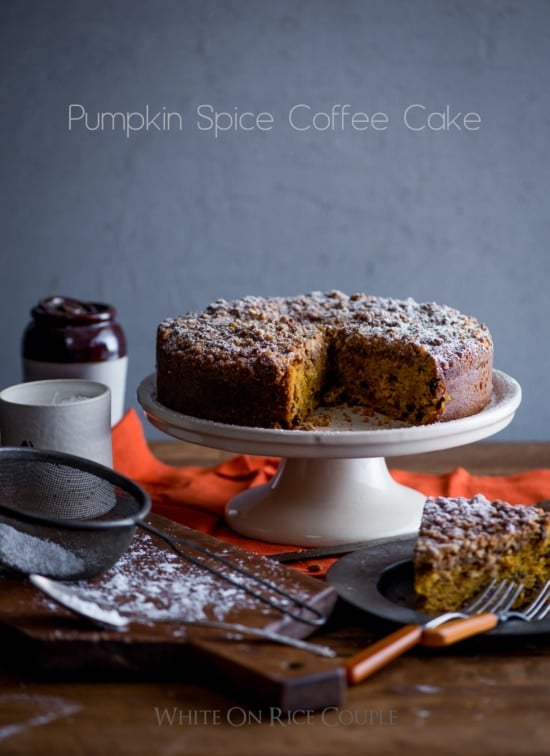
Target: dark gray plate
379,580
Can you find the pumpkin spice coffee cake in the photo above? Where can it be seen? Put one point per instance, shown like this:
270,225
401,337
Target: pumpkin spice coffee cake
269,362
464,543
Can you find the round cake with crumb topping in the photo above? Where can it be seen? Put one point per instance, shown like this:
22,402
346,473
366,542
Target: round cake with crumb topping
269,362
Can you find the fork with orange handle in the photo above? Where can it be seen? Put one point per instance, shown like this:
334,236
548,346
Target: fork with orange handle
492,606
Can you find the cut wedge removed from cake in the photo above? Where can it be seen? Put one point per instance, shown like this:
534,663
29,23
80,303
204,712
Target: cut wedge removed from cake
464,543
270,362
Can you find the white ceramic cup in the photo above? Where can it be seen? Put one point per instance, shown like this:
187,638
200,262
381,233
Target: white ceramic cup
66,415
111,372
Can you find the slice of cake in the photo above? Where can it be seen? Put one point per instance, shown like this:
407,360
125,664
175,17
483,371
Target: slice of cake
243,363
464,543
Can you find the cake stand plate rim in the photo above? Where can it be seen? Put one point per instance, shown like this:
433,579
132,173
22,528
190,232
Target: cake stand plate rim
336,443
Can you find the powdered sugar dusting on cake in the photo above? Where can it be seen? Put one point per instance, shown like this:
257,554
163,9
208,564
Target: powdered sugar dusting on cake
476,528
270,361
237,332
249,326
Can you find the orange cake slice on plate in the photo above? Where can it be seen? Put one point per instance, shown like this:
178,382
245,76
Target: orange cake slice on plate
464,543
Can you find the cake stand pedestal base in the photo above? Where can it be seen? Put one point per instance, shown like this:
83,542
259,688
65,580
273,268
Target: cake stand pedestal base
327,502
333,485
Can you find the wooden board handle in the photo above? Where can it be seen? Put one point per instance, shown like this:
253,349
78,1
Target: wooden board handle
459,629
267,674
366,662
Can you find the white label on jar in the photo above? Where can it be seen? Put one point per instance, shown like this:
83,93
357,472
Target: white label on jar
110,372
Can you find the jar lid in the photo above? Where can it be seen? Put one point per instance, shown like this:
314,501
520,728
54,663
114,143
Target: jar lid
68,310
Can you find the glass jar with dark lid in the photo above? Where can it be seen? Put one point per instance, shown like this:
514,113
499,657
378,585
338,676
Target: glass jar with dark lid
69,338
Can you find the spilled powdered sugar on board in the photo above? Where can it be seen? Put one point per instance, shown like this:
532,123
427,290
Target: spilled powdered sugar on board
152,583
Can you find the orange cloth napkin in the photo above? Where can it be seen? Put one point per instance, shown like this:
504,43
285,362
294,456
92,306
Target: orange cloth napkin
196,496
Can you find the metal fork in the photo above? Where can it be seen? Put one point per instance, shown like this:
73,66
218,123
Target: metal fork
536,610
479,615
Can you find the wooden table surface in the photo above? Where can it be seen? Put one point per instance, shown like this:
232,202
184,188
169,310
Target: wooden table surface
475,698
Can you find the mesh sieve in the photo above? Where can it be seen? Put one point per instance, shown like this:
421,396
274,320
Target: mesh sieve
64,516
69,518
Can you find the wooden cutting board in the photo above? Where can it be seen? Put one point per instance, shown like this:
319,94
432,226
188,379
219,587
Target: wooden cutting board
153,583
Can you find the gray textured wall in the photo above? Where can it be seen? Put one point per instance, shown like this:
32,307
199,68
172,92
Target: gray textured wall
162,221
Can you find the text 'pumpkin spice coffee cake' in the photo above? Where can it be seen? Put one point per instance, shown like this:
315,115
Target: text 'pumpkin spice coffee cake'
269,362
463,544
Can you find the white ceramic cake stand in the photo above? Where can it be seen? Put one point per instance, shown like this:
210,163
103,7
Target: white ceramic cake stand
333,485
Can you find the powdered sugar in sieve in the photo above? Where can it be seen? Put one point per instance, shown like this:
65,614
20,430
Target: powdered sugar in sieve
27,553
